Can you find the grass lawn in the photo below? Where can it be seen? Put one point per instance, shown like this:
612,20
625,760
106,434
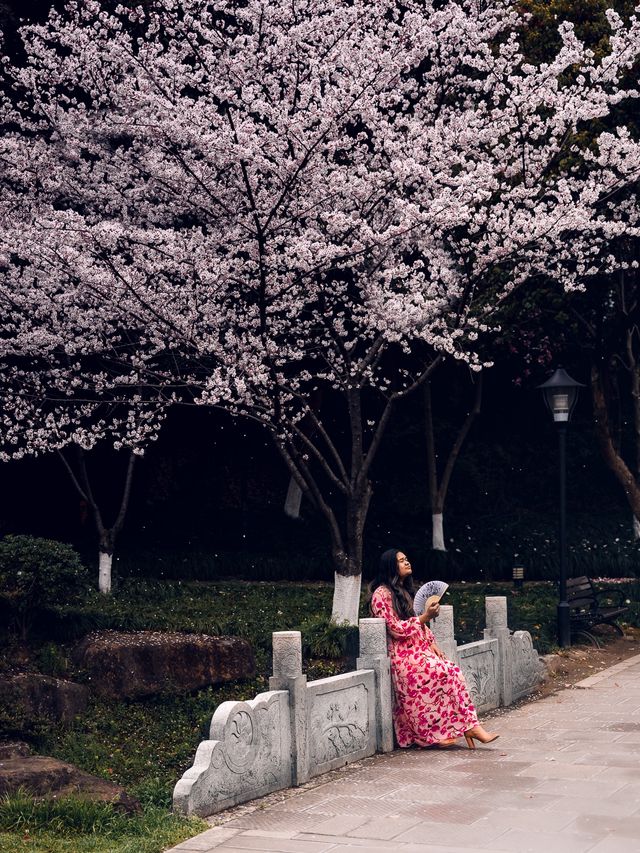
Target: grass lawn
146,745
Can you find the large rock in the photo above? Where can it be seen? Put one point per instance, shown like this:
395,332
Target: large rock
14,749
46,777
29,697
143,663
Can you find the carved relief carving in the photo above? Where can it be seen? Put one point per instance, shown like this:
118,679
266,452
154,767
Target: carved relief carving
249,754
341,720
479,666
524,664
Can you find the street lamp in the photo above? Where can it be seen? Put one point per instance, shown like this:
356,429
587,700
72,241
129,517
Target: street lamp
561,394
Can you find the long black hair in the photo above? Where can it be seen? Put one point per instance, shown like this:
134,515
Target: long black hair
401,590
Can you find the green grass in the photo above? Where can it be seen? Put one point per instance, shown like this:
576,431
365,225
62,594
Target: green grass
71,825
146,745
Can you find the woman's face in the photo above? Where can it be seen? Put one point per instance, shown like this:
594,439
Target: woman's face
404,566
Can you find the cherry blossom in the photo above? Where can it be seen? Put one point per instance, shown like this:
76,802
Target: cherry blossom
290,210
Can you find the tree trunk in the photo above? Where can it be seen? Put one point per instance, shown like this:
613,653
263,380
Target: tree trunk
107,535
346,599
438,490
611,456
347,557
437,531
293,501
105,561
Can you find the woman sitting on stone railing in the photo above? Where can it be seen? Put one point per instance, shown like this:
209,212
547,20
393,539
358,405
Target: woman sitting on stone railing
432,705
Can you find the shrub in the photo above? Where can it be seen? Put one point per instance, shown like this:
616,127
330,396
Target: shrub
36,572
322,638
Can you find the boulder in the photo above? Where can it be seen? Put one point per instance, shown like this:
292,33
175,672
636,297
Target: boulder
14,749
48,778
28,697
122,665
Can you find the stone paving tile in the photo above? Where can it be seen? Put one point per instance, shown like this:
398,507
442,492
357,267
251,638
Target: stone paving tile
456,812
627,827
306,798
272,819
535,841
608,807
623,774
356,805
337,824
612,844
521,800
490,768
562,770
576,787
210,839
530,820
275,845
384,828
430,794
365,844
455,835
266,833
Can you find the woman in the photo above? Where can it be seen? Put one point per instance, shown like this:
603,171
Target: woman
432,706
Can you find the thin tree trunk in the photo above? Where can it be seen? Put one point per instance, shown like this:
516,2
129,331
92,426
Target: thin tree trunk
105,561
634,369
438,490
611,455
106,535
293,501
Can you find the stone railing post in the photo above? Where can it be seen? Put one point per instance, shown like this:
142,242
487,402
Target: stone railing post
287,675
442,627
373,655
498,629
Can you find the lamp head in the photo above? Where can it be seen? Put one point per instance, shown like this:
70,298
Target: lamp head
561,394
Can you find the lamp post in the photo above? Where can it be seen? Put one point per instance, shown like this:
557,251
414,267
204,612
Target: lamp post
561,394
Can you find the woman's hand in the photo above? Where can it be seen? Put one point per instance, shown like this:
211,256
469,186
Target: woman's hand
437,651
430,612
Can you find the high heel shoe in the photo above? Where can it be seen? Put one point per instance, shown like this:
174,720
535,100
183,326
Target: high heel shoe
479,734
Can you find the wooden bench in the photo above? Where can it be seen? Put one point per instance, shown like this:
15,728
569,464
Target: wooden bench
588,608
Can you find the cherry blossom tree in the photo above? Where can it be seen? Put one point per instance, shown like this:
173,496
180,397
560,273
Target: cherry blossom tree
296,210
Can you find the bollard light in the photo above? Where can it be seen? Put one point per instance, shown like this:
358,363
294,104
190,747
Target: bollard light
518,577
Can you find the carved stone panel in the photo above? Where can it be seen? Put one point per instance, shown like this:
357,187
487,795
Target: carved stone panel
341,720
526,668
248,755
479,665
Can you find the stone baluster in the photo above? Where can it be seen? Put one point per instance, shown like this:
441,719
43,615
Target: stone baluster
287,675
442,627
373,655
498,629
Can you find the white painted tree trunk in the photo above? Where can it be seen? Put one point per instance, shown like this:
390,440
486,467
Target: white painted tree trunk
437,532
346,599
636,527
104,572
293,500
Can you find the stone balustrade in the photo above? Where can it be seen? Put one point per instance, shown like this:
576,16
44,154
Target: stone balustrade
299,729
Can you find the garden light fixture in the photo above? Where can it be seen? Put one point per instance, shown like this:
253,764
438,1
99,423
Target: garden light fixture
561,394
518,577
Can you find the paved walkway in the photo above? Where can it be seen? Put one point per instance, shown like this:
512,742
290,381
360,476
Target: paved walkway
564,776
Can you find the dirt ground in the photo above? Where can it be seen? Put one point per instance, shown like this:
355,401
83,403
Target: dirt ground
580,661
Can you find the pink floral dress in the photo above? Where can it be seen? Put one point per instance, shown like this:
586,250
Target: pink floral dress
431,700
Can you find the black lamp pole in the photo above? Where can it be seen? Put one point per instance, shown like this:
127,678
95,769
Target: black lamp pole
564,629
561,394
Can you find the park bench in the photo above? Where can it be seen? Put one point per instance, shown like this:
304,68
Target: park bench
591,607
